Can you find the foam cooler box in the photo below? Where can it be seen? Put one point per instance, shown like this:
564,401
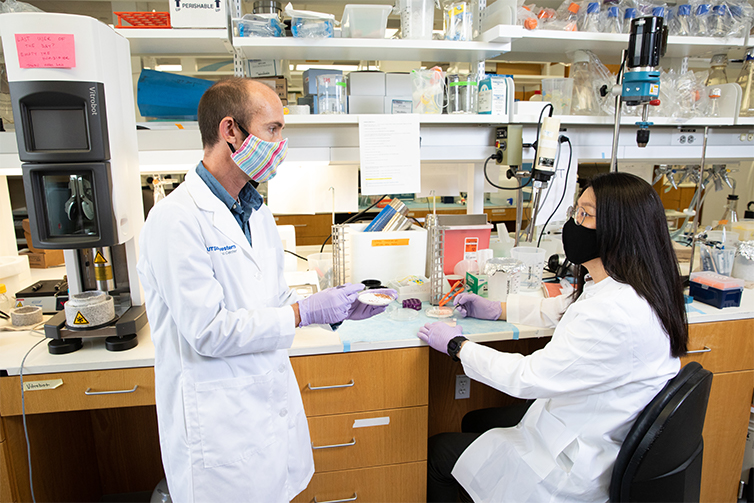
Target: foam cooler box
385,256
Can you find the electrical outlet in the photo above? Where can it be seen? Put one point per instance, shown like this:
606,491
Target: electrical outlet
685,136
463,386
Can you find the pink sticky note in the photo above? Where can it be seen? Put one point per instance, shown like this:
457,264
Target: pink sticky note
45,50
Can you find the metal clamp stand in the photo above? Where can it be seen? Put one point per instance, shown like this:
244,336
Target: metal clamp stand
698,201
339,254
520,175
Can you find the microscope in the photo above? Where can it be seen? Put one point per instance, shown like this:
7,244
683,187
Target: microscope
73,106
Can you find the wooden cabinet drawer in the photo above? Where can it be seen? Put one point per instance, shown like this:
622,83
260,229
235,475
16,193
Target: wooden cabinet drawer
5,491
307,225
99,389
344,441
394,483
362,381
724,346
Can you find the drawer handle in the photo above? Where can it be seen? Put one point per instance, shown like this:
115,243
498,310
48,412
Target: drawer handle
705,350
349,444
90,392
337,501
314,388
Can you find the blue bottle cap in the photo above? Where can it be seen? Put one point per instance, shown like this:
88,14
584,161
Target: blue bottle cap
684,10
592,8
630,13
658,11
720,10
613,12
702,9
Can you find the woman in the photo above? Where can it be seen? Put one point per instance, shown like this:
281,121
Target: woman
612,351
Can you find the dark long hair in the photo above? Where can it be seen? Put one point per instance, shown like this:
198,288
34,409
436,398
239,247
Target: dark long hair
636,249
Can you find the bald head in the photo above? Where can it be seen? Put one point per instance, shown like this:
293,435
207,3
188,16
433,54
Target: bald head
242,99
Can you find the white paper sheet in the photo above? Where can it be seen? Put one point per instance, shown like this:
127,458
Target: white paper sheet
389,154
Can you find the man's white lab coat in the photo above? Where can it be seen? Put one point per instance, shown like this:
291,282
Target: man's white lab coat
608,358
231,420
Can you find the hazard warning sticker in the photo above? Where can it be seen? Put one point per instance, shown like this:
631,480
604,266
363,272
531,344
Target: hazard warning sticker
19,304
80,320
100,259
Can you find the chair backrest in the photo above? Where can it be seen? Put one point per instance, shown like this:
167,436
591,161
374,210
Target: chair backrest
661,458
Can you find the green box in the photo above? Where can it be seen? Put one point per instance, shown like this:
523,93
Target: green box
477,283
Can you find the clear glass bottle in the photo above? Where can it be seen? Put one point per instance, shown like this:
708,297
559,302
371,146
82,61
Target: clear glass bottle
718,75
613,24
719,22
730,214
591,20
746,81
628,16
713,109
682,23
584,100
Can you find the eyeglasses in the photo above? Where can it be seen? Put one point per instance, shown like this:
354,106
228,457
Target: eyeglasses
578,214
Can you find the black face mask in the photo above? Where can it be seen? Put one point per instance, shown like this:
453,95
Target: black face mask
579,243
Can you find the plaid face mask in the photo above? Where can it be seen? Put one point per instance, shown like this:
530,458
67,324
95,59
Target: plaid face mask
258,158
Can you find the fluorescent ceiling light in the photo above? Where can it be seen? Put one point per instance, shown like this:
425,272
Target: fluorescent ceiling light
169,68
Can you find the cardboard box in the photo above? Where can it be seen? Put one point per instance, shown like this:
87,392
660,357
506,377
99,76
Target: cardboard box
477,283
39,258
366,84
496,95
398,84
198,13
277,84
310,79
264,68
366,104
311,101
398,105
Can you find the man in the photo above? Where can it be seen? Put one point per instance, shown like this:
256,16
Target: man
231,420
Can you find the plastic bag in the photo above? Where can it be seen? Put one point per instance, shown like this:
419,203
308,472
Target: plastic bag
527,18
566,17
742,17
310,24
16,6
254,25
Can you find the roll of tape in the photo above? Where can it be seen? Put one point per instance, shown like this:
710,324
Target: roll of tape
25,316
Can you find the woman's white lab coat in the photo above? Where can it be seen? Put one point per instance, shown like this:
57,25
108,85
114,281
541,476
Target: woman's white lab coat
609,356
231,420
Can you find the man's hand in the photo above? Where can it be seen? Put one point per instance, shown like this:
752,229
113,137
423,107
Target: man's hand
328,306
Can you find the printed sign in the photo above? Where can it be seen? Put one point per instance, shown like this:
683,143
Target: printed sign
470,246
45,50
39,385
390,242
80,320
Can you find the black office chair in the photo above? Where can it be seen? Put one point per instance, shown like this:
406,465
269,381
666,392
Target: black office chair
661,458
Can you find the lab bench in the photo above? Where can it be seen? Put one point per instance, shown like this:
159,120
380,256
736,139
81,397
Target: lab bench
87,445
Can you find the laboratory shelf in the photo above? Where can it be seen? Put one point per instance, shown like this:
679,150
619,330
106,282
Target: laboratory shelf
309,120
587,120
177,41
360,49
555,45
745,121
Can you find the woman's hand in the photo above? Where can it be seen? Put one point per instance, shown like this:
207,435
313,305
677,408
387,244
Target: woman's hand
438,334
469,304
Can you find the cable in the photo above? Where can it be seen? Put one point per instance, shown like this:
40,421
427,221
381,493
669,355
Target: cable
352,219
528,180
297,255
565,187
23,416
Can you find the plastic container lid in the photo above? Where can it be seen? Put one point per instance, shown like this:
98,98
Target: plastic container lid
720,10
714,280
574,7
684,10
580,56
613,11
592,8
658,11
702,9
2,288
630,13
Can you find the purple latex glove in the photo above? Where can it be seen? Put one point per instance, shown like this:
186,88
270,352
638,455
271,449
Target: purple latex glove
438,334
328,306
474,306
361,311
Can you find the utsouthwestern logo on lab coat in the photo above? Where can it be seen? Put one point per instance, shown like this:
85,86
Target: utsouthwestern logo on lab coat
225,250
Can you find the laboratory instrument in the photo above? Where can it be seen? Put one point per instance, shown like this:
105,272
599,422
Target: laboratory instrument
639,80
76,136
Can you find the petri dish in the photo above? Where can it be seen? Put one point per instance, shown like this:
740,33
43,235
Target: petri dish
403,314
375,299
439,312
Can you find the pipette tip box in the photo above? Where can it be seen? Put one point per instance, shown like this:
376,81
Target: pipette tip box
715,289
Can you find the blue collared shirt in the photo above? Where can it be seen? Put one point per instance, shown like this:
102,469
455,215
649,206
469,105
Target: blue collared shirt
248,199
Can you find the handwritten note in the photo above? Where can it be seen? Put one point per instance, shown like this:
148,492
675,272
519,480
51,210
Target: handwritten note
45,50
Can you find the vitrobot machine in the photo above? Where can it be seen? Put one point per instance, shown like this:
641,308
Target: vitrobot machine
73,106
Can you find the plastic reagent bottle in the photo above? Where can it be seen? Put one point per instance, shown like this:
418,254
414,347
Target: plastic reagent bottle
584,99
718,25
702,20
613,20
5,303
718,74
571,23
747,86
628,16
591,18
683,22
714,106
